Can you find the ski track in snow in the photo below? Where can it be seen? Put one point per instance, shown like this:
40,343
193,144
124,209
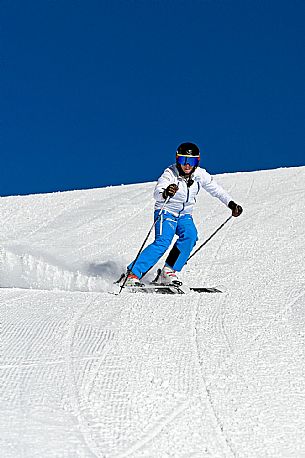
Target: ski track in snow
206,393
87,374
75,397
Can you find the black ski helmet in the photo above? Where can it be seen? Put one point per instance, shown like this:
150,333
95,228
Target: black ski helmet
185,151
188,149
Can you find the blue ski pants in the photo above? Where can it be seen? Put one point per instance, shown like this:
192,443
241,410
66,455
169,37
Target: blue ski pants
166,228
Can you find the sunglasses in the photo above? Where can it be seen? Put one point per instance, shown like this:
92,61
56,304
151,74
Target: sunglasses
193,161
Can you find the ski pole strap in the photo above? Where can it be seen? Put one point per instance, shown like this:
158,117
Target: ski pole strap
209,238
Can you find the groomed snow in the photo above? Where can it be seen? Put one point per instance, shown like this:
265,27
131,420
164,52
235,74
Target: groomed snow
85,373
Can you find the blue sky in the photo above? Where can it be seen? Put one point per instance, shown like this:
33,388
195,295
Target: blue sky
95,93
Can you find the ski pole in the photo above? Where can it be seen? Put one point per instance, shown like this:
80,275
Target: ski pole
143,244
209,238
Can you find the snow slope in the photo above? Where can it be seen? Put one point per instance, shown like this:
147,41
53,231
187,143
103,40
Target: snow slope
85,373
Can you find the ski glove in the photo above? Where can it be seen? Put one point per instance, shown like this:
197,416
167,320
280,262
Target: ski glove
170,191
236,209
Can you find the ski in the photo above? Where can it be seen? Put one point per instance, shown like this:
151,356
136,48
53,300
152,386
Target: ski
158,288
170,289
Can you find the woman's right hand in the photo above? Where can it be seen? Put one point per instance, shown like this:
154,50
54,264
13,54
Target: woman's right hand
170,191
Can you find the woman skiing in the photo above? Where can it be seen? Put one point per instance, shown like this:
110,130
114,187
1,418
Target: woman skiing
176,193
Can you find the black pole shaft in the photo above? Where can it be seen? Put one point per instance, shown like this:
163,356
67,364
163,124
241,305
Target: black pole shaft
209,238
143,244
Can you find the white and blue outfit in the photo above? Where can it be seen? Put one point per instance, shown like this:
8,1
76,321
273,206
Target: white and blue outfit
176,218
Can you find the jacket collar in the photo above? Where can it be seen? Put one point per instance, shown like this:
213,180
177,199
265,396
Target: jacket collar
189,179
177,174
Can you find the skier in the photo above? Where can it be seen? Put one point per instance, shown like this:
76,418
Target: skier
180,184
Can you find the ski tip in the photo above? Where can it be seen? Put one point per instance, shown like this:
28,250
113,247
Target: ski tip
222,288
205,290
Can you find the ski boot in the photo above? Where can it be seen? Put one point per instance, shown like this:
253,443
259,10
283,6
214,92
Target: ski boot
132,280
169,277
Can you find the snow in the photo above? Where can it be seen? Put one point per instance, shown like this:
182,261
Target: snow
86,373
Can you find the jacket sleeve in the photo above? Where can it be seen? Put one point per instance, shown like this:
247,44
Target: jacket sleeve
213,188
165,180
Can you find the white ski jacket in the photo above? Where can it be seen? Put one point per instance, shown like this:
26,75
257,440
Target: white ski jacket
183,201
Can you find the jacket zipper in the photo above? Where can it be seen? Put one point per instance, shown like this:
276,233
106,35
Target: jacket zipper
187,199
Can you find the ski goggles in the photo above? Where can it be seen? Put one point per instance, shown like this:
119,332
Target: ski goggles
193,161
